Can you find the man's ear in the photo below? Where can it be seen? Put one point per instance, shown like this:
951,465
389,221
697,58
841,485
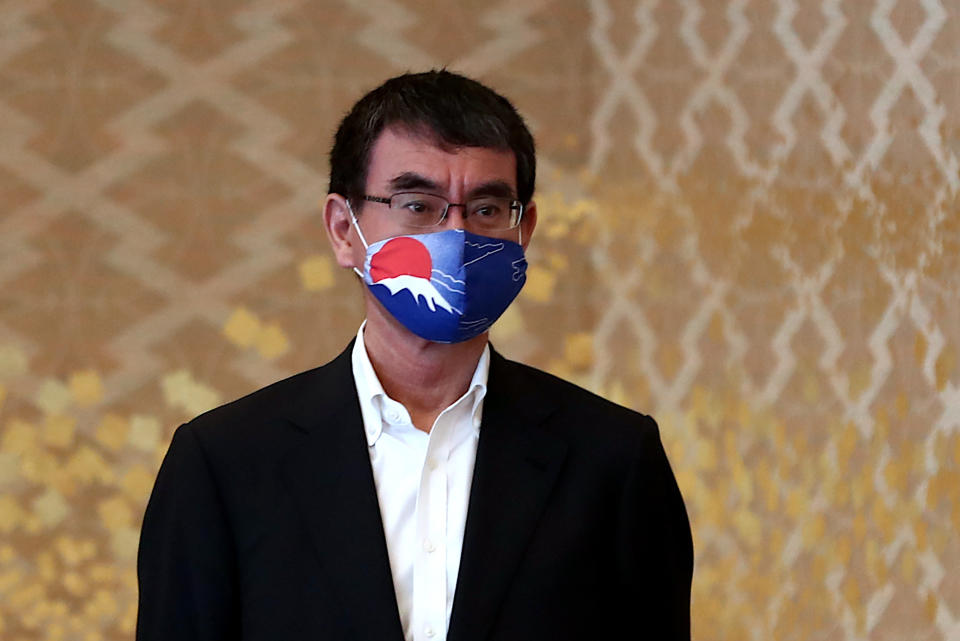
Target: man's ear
343,238
528,223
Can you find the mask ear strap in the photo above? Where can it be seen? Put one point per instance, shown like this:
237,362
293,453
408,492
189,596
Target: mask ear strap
353,220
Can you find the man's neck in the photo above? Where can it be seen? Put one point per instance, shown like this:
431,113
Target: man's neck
424,376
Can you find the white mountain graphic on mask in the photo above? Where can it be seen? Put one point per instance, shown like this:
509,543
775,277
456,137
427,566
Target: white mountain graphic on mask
418,288
405,264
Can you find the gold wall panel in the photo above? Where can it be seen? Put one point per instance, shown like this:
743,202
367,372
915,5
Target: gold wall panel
750,228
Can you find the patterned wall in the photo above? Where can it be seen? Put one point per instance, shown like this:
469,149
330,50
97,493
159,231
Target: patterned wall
750,228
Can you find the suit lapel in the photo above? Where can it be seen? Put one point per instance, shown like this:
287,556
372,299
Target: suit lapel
330,477
516,467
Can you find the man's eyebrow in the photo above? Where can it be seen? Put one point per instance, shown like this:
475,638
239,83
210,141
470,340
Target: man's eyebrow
410,180
496,188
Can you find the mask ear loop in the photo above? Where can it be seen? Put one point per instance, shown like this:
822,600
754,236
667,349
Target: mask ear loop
353,220
520,228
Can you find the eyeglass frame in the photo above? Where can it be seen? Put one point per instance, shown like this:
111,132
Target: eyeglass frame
514,204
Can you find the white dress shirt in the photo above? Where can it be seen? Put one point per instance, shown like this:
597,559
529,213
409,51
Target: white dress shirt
423,487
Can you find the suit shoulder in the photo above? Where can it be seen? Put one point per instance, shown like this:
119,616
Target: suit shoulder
259,413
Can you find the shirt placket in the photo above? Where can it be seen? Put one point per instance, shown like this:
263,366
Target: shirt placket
430,568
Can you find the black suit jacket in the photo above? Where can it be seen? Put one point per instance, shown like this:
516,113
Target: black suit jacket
264,523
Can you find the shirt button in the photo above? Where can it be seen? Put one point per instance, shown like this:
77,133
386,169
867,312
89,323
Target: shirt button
428,545
427,630
393,415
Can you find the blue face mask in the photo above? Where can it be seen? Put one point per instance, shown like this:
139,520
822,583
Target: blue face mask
446,287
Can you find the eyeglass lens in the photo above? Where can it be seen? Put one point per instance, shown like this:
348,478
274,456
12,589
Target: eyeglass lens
427,210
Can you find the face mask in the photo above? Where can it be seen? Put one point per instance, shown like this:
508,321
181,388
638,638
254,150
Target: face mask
446,287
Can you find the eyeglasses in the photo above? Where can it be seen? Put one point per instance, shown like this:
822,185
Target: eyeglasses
486,213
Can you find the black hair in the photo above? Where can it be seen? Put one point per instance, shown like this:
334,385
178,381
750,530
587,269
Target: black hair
454,110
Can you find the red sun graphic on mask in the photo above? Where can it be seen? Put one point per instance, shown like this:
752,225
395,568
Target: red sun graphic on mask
400,257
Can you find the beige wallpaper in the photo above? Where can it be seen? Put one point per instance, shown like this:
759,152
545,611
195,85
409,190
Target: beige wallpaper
750,228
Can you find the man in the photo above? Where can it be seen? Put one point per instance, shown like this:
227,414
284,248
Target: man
420,486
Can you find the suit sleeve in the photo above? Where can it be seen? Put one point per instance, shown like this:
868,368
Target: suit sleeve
655,546
186,565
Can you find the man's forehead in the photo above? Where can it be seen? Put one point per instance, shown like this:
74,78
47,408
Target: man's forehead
407,158
413,181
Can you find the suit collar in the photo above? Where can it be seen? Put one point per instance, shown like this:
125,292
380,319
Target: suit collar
330,478
325,389
517,465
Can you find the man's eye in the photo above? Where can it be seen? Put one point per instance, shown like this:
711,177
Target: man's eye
418,207
486,210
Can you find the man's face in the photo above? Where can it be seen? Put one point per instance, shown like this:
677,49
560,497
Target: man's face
404,162
401,162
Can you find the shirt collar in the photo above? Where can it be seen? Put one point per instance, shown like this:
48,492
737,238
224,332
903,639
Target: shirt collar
372,396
